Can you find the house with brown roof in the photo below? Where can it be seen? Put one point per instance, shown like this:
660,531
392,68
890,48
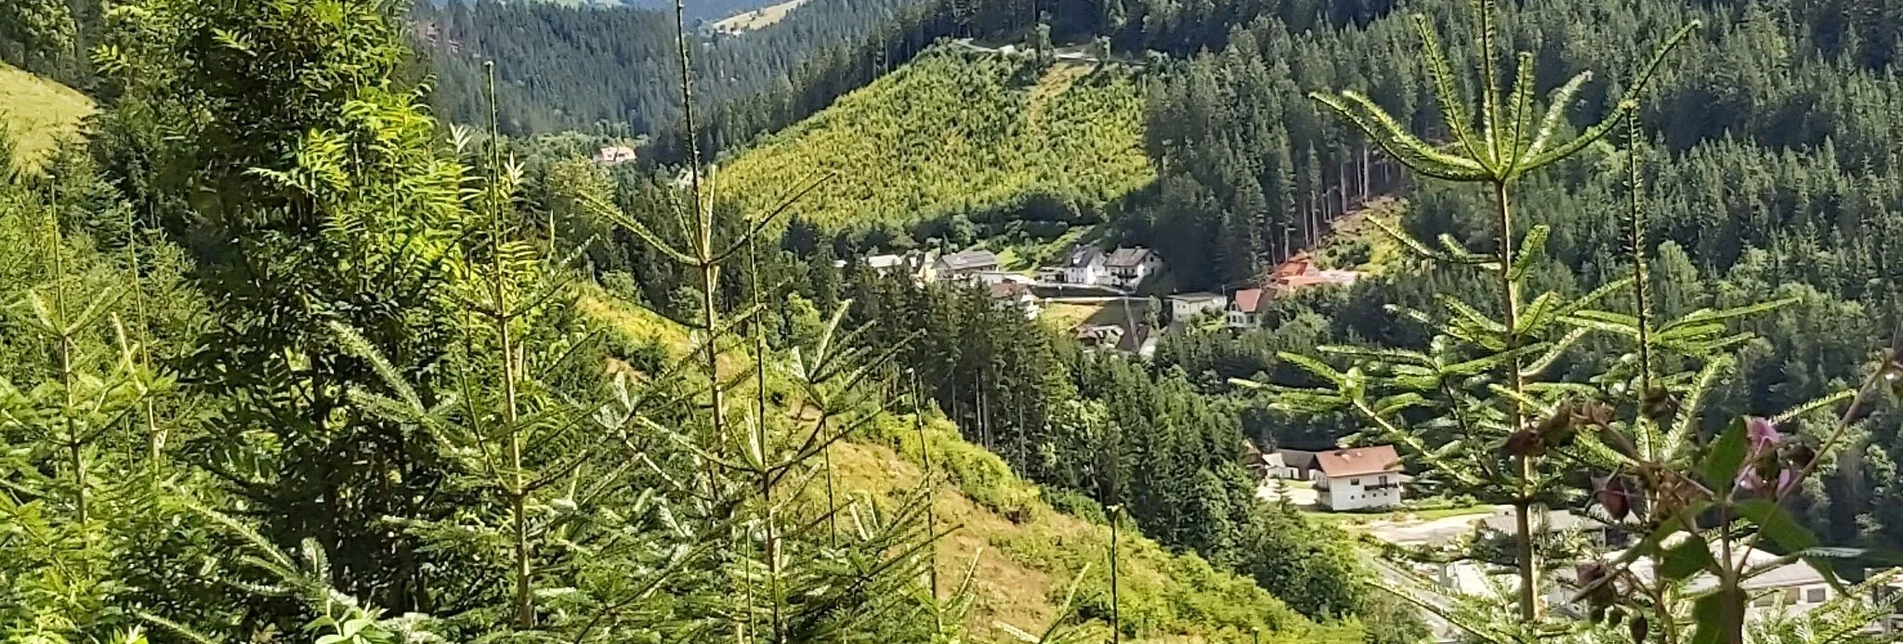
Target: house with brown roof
1359,478
1300,272
1017,296
1245,309
964,264
1128,267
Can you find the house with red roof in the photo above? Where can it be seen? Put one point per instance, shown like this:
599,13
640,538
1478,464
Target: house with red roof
1359,478
1245,309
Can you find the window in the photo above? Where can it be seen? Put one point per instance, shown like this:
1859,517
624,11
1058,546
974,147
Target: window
1790,596
1815,595
1354,481
1765,600
1384,479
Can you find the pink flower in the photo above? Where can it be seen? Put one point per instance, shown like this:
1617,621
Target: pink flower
1749,481
1762,433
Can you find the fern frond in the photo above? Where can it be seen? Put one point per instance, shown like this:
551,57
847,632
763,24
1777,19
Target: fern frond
1405,239
1532,250
1814,405
1556,112
1520,106
1445,92
1314,367
1410,150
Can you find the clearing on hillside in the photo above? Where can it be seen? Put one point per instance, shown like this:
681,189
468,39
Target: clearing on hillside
953,132
758,18
38,112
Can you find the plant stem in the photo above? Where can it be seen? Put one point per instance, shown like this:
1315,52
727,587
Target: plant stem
1522,506
1639,278
75,450
518,511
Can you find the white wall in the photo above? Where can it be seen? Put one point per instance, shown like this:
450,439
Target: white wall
1351,493
1180,310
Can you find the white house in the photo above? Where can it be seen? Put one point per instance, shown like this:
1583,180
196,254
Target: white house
1504,522
1792,587
1084,265
1359,478
1128,267
1245,309
614,155
965,263
1186,306
1293,464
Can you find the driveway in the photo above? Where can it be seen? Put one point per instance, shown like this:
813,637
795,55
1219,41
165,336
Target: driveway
1302,495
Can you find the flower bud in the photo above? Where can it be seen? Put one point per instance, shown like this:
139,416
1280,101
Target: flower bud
1525,442
1614,495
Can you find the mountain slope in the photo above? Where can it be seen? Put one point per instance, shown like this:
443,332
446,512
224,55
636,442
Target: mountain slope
954,133
38,112
1026,552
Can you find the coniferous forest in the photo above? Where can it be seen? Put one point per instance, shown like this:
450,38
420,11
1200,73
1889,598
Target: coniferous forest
326,326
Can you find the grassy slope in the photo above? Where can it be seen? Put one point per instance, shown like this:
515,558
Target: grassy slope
1027,553
39,112
951,132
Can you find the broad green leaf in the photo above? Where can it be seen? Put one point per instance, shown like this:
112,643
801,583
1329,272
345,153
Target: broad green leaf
1725,458
1686,559
1718,618
1786,532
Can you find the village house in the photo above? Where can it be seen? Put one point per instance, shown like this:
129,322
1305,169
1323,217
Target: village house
1300,272
1359,478
1015,295
1187,306
1791,587
916,264
1245,309
884,264
1128,267
614,155
1094,336
1596,533
1291,464
963,264
1084,265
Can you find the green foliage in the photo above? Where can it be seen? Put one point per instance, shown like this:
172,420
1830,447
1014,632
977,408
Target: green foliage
952,134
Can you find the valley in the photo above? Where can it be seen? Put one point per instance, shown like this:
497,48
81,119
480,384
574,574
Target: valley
986,321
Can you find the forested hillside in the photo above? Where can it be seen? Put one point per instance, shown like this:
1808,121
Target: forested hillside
956,134
284,357
615,67
1771,161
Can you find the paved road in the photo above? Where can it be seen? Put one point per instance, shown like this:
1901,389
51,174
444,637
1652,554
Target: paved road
1415,533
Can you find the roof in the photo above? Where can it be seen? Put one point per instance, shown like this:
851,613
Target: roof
1084,255
884,261
1128,257
1358,461
1298,459
1315,278
1196,297
1789,575
1007,290
1248,300
1297,265
973,259
1134,340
